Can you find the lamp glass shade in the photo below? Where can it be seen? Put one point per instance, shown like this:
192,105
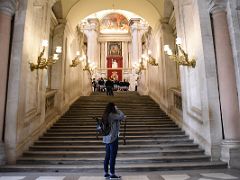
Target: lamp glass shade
55,57
178,41
44,43
58,49
166,48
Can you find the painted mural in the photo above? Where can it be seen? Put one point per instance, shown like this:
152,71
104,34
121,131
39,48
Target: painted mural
115,23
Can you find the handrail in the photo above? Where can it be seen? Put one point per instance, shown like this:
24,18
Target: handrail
97,121
124,130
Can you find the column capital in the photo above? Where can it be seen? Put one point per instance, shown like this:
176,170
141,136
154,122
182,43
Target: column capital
92,24
133,21
8,7
136,25
216,6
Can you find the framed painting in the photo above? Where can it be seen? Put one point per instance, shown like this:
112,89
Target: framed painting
114,48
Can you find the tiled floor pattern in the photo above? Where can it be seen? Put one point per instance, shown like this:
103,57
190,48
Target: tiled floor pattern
180,176
202,176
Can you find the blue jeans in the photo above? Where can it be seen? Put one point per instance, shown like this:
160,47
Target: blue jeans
111,154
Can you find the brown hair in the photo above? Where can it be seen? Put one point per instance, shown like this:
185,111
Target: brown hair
110,108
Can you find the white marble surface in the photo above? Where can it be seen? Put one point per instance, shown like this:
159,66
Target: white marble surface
123,178
176,177
11,177
50,178
218,175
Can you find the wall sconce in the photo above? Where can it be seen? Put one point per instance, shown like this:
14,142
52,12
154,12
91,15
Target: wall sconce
148,58
43,63
180,56
77,60
90,67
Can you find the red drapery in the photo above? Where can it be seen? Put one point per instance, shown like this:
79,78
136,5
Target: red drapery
114,65
115,74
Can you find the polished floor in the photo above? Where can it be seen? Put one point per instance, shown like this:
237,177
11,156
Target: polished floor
172,175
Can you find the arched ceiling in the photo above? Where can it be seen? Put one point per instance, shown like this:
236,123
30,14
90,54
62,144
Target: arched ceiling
76,10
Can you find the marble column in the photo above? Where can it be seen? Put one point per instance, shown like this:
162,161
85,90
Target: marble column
227,84
137,32
135,39
91,29
7,10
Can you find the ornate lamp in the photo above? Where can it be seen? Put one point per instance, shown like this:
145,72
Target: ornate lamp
139,66
180,56
43,63
148,58
90,67
77,60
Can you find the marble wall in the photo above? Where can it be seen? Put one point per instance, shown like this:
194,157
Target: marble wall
201,113
25,114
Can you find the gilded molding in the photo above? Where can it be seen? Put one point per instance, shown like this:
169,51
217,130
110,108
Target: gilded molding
216,6
8,7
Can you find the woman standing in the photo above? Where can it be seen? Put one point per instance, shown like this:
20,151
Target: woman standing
113,116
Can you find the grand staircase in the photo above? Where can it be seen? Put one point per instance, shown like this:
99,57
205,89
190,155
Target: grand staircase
153,140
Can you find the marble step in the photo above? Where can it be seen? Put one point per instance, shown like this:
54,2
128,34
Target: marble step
84,123
154,141
121,153
128,119
121,147
128,129
133,137
99,142
120,160
129,126
128,107
91,133
120,167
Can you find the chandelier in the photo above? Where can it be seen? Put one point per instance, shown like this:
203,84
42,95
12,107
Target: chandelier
179,56
43,63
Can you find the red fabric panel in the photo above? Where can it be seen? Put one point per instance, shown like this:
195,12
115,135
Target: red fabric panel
118,59
115,74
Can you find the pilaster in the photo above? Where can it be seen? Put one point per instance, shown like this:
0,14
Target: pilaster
227,84
7,10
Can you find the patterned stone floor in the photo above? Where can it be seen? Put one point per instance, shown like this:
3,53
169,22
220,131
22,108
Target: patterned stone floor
172,175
